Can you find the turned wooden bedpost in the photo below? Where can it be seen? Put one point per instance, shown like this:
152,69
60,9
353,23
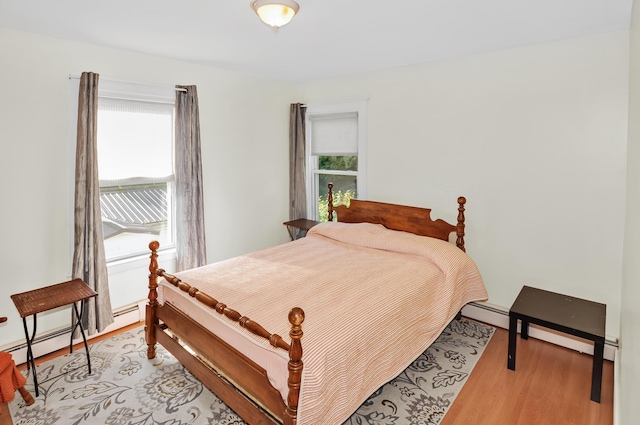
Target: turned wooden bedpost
330,201
150,318
296,317
460,227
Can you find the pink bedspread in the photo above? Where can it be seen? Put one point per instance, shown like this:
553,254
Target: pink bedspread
374,299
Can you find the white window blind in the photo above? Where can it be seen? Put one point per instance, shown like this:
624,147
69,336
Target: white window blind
135,139
334,135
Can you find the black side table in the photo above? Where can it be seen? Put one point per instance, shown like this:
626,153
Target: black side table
575,316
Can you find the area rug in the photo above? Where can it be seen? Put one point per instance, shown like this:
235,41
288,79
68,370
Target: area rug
125,388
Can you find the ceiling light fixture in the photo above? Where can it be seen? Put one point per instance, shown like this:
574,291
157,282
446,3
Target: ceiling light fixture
275,13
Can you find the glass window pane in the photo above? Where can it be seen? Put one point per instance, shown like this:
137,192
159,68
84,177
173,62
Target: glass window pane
133,216
338,163
344,188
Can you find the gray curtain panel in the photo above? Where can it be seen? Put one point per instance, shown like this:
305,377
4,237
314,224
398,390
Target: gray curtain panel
89,261
297,184
190,237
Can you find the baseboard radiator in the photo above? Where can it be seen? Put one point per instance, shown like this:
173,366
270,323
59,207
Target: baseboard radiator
59,338
499,317
483,312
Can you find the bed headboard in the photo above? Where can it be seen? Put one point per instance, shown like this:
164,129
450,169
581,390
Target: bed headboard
400,217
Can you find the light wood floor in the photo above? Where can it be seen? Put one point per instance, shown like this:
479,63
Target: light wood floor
551,385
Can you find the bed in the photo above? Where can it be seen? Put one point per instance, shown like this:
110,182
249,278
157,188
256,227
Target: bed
372,291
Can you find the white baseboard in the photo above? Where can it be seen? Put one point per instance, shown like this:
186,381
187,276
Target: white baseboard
616,389
499,317
483,312
60,338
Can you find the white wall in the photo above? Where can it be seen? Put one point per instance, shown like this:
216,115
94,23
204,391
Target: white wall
534,137
630,311
244,124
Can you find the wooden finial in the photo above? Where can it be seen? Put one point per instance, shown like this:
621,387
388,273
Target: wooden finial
153,273
330,201
460,226
296,317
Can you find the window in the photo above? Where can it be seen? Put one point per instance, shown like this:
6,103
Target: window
135,167
336,142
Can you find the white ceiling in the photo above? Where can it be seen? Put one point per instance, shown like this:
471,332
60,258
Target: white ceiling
327,37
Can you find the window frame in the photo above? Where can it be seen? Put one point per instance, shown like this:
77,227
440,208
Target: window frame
141,94
325,110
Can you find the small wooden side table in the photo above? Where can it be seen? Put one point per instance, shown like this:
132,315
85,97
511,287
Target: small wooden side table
39,300
302,224
575,316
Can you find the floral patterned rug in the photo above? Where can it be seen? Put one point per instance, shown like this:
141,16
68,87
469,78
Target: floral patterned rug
127,389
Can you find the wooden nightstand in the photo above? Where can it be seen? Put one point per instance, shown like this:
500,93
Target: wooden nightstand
302,224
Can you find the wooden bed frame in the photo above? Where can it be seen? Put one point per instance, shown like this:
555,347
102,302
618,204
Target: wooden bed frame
238,381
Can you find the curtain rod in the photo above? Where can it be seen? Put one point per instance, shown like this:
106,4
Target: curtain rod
77,77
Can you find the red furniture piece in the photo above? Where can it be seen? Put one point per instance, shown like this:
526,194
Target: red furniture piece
11,379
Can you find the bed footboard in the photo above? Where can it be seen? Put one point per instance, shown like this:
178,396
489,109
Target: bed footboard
218,365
